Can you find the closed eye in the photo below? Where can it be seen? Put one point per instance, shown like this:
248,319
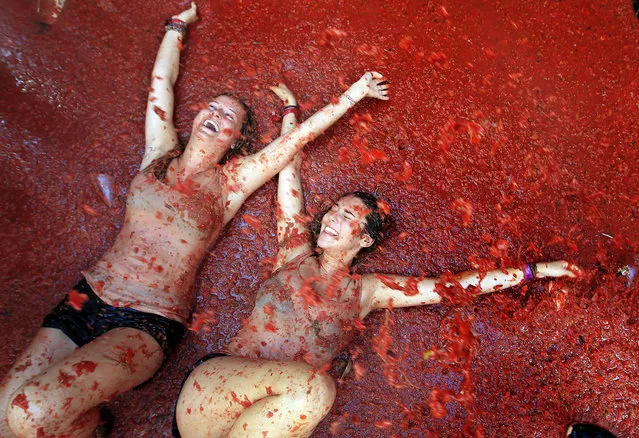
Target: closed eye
348,215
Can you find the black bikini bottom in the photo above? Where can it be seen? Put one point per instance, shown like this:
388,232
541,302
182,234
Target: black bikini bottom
84,321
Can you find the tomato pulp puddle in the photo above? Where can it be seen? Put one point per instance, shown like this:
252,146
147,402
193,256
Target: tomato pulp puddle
510,136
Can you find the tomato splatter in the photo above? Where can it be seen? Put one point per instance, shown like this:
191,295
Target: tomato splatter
76,299
21,401
245,402
65,379
84,367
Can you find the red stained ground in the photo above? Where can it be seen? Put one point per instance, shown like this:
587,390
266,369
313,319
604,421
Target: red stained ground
527,110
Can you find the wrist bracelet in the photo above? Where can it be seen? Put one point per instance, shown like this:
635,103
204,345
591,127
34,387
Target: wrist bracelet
290,109
350,99
175,24
529,272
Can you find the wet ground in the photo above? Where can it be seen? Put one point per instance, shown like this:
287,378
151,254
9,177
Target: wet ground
511,136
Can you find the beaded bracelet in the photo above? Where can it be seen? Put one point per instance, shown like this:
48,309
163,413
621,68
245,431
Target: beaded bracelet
290,109
529,272
175,24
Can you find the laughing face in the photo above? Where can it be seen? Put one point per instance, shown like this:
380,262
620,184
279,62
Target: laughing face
219,125
344,226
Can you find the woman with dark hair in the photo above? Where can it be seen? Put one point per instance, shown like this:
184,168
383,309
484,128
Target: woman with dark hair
269,381
114,329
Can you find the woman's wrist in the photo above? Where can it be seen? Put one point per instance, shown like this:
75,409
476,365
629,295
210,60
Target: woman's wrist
530,271
355,93
349,99
290,109
176,24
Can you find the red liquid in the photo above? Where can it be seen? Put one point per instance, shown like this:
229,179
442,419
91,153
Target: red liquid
518,124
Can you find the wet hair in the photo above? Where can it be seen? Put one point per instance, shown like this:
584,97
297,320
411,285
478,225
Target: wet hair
248,132
376,220
243,146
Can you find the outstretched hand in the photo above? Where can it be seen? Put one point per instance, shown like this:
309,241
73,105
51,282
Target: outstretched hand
284,94
559,268
377,85
189,16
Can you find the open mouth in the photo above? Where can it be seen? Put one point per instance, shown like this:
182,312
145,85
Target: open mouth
331,232
210,125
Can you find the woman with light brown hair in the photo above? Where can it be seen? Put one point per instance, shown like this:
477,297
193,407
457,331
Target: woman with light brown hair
115,327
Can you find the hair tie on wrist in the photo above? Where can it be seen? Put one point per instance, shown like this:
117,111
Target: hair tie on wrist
290,109
175,24
350,99
529,272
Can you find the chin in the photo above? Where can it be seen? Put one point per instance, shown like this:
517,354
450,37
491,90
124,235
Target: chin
321,243
328,242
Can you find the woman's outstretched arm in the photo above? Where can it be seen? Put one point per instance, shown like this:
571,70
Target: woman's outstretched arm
160,135
293,236
251,172
378,290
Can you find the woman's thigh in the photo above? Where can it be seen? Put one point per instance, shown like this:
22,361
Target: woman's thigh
48,346
245,397
111,364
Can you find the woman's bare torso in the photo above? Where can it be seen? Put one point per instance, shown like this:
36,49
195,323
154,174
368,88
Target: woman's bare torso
299,315
166,232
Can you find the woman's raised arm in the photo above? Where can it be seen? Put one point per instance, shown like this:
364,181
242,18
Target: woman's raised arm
293,236
378,290
251,172
160,135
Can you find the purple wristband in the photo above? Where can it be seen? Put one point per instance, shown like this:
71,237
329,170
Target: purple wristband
529,274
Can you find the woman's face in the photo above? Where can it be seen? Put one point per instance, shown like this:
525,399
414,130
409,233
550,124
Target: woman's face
220,123
343,226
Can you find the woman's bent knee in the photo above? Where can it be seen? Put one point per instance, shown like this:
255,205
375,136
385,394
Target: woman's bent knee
326,391
220,391
27,417
30,413
319,395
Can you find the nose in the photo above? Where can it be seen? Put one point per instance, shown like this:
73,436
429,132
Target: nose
329,217
333,217
216,111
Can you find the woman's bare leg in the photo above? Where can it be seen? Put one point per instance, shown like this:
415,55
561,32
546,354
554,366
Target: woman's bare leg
237,397
49,345
61,400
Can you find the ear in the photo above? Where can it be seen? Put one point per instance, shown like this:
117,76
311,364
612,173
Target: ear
365,240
